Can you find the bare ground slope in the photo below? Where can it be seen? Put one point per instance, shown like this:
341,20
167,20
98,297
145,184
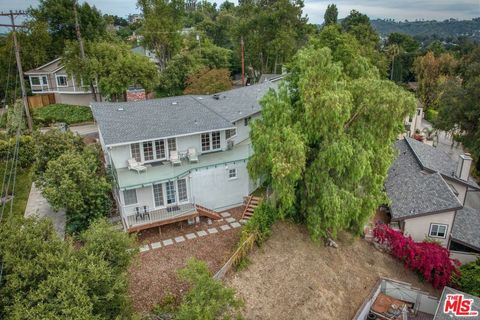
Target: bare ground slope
290,277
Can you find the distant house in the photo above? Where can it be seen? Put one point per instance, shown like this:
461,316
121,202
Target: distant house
146,53
51,78
133,18
392,299
172,156
427,191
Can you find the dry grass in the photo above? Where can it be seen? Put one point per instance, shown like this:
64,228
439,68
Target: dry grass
292,278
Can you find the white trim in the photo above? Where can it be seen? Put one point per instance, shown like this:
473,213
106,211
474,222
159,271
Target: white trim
234,177
438,225
165,137
56,81
48,63
58,69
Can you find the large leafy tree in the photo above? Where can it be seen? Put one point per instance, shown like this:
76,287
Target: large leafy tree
402,65
272,32
163,21
325,140
74,181
47,278
208,81
59,16
358,25
331,15
430,72
112,65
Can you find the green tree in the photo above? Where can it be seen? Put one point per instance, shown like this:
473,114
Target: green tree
47,278
208,81
59,16
469,279
112,65
358,25
163,21
207,298
51,145
331,15
73,181
324,156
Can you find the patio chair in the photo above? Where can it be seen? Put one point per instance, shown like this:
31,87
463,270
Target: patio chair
134,165
138,214
174,158
192,155
146,213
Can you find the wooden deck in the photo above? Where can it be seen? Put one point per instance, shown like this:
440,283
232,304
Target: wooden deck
159,217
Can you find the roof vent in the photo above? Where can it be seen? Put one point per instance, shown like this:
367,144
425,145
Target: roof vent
120,109
200,98
196,122
216,96
174,102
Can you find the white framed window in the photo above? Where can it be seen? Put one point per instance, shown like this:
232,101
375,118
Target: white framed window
210,141
232,174
172,144
160,149
182,190
158,195
171,194
130,197
438,230
38,81
230,133
148,150
62,81
135,150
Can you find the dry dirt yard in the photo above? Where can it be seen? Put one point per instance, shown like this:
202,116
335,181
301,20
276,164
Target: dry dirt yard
290,277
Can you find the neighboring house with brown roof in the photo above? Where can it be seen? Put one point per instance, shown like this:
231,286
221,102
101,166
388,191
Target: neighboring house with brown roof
51,78
427,192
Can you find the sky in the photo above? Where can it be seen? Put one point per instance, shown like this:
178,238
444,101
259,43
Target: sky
315,9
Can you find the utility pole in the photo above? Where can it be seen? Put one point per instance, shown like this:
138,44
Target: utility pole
82,49
12,15
243,61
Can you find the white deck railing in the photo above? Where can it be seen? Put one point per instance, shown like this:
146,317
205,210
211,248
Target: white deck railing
133,218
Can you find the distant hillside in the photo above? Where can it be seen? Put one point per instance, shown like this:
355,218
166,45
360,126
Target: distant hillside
431,29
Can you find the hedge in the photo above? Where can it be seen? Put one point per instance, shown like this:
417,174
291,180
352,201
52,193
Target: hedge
69,114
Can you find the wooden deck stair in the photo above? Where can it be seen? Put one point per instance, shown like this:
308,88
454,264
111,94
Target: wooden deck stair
208,212
251,204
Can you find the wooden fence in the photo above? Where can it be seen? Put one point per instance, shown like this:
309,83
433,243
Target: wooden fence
239,254
41,100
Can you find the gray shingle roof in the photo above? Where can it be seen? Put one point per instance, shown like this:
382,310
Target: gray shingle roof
440,315
159,118
238,103
414,192
436,160
124,122
466,227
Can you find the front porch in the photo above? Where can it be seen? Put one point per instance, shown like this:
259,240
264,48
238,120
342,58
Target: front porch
141,218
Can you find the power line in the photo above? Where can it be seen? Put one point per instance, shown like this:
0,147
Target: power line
12,14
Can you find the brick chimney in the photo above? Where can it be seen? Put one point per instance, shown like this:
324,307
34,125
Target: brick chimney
136,95
463,166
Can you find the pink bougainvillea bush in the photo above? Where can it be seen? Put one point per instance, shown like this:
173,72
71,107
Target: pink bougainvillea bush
429,259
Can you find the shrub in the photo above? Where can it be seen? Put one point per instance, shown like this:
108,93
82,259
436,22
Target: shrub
260,223
429,259
47,278
61,113
469,278
25,151
431,115
207,298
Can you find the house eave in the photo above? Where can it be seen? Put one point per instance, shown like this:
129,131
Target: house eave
426,214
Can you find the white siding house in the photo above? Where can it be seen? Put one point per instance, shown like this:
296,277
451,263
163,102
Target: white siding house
149,133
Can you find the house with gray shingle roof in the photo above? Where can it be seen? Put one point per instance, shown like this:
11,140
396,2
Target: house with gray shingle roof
427,192
178,157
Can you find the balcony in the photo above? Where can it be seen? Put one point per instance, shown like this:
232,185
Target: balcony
139,218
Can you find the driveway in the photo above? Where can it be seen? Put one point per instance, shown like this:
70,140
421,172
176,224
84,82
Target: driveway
38,206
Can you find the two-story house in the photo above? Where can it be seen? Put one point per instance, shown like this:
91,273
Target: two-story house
51,78
170,156
427,190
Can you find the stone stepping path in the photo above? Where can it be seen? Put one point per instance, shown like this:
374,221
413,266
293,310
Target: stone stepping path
231,223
